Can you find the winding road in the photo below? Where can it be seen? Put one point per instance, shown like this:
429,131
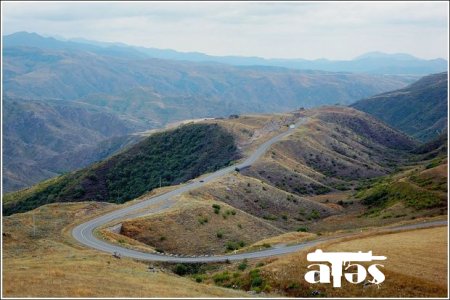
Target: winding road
84,233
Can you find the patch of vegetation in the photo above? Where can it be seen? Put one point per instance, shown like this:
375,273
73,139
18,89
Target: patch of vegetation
342,186
232,245
386,193
216,208
169,157
314,215
202,220
184,269
302,229
433,183
434,163
270,217
221,277
320,189
242,266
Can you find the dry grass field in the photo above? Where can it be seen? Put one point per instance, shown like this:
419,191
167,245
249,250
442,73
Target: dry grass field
276,206
48,263
416,266
198,226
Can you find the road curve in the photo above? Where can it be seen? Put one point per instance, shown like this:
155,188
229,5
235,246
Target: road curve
84,233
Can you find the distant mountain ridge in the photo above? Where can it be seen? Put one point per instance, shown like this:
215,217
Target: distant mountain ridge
55,82
373,62
419,110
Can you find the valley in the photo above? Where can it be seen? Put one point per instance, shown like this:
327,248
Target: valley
152,171
115,93
303,189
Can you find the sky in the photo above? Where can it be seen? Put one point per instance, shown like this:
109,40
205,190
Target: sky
309,30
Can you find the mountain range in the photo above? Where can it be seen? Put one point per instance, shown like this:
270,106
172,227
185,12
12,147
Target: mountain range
372,62
65,99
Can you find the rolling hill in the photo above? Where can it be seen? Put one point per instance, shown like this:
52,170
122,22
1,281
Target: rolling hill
314,180
419,110
332,152
163,158
341,172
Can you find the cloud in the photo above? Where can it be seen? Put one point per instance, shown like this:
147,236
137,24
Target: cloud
335,30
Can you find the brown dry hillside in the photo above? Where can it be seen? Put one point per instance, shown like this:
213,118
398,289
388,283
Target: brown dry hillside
410,269
336,146
46,262
276,206
199,226
329,155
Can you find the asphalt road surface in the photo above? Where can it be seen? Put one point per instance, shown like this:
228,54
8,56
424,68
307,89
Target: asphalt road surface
84,233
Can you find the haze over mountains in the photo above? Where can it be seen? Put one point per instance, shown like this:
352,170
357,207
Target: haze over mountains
76,97
373,62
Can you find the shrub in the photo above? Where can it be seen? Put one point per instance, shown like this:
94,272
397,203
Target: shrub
256,280
231,246
219,234
314,214
234,245
202,220
270,217
180,269
242,266
221,277
188,268
302,229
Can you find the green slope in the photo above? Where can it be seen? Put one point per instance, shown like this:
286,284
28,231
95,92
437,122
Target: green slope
175,156
420,187
419,110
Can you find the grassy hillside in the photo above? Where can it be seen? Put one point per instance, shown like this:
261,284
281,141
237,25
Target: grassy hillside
199,226
433,148
335,148
419,110
406,276
43,261
326,157
423,188
173,156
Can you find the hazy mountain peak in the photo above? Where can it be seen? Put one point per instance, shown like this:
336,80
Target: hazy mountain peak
383,55
371,62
